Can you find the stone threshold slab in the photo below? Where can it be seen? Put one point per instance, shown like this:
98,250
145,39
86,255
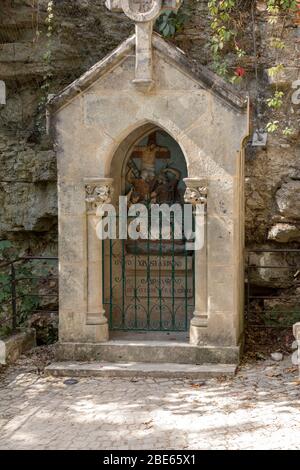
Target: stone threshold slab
159,352
140,370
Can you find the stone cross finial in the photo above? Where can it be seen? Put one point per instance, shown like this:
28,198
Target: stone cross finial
144,14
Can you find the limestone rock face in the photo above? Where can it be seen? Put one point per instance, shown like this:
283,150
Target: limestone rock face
28,165
46,327
84,31
284,233
28,207
275,270
27,187
288,200
273,175
284,311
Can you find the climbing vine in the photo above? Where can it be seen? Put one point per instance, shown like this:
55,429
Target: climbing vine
226,33
26,300
228,19
275,9
48,54
47,59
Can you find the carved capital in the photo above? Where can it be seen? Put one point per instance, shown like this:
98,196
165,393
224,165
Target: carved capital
196,192
98,191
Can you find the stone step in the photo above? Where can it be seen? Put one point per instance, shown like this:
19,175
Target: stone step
147,352
140,370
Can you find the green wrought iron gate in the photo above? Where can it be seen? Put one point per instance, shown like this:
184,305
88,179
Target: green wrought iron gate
148,285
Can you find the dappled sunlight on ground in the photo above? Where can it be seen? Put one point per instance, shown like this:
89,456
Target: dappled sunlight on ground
258,409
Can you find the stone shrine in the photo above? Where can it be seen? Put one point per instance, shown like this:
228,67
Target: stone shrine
147,123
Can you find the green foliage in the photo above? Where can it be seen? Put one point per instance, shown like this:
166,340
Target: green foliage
234,79
239,52
277,43
5,291
221,25
26,301
274,7
220,67
5,296
288,131
3,245
272,126
276,70
225,35
170,23
276,101
6,251
284,317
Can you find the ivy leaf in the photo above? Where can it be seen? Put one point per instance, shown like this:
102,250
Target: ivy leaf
172,30
166,30
272,126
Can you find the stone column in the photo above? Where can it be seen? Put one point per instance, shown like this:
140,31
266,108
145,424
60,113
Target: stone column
296,331
98,192
196,194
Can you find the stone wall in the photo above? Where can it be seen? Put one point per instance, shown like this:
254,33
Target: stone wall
84,32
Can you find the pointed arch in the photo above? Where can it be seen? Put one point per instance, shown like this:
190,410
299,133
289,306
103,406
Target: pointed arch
135,133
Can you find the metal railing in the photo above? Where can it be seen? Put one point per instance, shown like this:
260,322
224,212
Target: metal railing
261,294
21,282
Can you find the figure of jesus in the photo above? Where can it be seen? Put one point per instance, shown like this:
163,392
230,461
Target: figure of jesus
148,156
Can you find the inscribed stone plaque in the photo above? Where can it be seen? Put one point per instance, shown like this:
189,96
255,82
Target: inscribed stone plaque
180,287
156,263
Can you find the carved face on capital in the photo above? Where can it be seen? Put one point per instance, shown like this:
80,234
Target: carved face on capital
97,195
195,196
103,194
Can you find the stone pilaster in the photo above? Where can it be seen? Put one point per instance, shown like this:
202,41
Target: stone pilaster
98,192
196,194
296,331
